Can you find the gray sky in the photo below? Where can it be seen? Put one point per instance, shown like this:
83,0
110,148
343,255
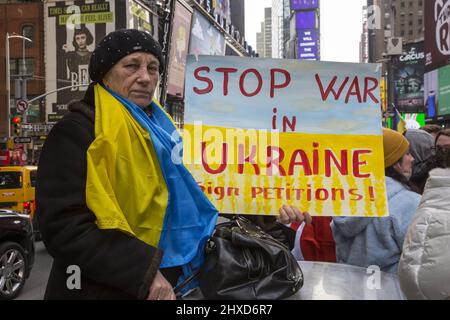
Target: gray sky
341,27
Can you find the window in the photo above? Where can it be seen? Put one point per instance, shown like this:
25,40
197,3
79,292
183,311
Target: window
420,21
10,180
33,177
28,31
17,67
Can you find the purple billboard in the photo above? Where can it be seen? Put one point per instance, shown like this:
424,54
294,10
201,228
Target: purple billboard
307,45
305,20
304,4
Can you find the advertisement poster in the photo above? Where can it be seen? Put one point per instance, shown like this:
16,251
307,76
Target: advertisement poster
222,8
140,18
437,33
73,28
304,4
205,39
306,20
444,91
409,77
179,50
262,133
307,45
431,99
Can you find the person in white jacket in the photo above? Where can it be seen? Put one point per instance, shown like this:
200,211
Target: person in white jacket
424,268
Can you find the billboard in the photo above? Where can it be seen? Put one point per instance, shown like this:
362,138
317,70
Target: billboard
205,38
437,33
262,133
140,18
431,97
307,45
73,28
305,20
444,91
409,77
304,4
222,8
178,51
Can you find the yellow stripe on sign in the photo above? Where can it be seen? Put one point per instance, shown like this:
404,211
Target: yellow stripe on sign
324,174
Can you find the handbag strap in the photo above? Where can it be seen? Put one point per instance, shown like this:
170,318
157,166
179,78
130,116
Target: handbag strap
180,286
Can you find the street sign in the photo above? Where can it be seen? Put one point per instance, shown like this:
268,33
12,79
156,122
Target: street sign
37,126
18,140
21,105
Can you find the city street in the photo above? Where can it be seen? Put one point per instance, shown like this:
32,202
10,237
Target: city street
34,288
129,130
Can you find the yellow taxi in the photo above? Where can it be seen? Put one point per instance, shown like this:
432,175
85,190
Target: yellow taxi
17,188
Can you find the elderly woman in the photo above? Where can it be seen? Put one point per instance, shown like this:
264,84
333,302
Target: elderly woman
121,219
378,241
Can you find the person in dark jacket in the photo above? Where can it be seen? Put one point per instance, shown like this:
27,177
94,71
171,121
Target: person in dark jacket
103,220
121,219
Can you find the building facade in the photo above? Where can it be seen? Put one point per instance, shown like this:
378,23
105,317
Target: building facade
393,18
268,32
260,41
26,59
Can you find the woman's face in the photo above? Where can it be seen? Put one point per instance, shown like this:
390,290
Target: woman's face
405,165
81,41
135,77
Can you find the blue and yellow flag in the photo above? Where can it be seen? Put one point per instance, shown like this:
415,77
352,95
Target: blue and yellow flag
134,184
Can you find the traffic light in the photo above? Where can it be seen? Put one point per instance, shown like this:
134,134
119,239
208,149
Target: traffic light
16,122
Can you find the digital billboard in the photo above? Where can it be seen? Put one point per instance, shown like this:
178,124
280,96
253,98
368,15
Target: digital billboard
444,91
409,77
437,33
431,97
205,38
305,20
304,4
178,50
307,45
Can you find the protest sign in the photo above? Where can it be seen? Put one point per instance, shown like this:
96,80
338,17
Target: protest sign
261,133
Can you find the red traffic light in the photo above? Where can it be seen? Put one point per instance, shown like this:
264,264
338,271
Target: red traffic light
16,120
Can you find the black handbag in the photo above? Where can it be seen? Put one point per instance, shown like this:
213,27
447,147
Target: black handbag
244,262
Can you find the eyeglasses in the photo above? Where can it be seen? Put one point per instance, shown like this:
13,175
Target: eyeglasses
440,148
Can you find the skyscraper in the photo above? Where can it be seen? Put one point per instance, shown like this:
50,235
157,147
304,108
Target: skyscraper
268,32
281,13
260,42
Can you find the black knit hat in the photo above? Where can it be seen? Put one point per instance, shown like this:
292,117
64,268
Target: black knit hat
119,44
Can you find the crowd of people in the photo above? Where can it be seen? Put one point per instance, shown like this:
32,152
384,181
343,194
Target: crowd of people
111,202
413,241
